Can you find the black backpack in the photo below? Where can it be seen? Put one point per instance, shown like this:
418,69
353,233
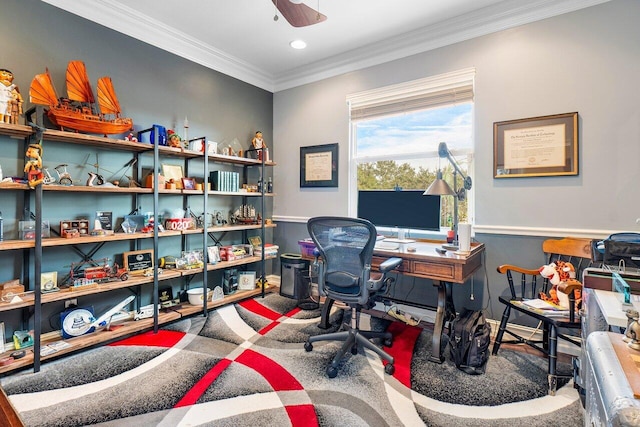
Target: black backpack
469,339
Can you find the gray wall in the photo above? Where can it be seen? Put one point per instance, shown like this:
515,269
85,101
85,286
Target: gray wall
153,86
586,61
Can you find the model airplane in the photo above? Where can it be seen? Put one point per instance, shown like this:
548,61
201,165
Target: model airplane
81,321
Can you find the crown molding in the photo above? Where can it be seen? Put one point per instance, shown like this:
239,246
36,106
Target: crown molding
508,14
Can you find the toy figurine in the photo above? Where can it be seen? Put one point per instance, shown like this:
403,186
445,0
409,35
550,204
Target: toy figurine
10,98
33,166
258,142
174,139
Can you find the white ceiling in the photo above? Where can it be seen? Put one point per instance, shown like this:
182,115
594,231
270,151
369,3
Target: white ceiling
241,38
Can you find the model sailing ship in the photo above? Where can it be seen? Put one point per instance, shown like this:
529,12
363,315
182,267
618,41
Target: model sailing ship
79,111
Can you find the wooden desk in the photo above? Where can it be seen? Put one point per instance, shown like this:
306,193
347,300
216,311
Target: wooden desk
443,270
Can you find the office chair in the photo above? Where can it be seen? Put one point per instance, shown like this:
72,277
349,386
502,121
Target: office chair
346,246
574,250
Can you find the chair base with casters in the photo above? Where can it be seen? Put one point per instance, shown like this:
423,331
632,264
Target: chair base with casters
345,251
554,324
353,337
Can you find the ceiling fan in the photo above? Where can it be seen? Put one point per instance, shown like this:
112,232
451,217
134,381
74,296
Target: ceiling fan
297,13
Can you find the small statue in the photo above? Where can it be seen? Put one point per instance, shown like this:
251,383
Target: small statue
10,98
258,142
33,166
260,146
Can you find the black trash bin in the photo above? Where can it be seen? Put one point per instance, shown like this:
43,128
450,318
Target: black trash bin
293,268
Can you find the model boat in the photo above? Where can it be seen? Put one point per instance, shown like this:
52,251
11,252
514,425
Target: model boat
79,111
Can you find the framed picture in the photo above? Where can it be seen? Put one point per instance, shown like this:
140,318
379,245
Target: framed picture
49,281
188,183
537,146
319,166
246,280
213,254
255,241
173,172
138,261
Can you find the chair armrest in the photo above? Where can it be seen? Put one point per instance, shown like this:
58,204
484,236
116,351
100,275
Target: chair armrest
390,264
506,267
569,286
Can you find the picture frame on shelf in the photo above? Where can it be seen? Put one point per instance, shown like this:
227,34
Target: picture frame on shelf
188,184
49,281
536,146
173,173
246,280
213,254
138,261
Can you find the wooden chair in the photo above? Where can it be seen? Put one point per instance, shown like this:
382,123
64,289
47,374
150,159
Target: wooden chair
577,251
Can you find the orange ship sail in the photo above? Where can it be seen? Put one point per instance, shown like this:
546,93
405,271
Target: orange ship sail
79,111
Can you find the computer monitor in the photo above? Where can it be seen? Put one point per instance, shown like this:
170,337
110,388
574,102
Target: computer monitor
402,209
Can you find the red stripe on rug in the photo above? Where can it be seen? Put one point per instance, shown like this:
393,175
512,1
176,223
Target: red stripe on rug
267,328
278,377
259,309
198,389
404,341
162,338
302,416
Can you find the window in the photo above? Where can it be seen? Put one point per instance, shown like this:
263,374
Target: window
395,133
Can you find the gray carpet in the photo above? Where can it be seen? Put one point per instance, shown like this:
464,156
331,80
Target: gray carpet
245,365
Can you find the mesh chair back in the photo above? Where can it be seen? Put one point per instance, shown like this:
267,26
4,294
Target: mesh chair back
346,247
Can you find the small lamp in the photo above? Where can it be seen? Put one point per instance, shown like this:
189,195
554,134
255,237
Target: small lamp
439,187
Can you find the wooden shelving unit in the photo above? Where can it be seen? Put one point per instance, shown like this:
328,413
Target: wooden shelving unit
33,299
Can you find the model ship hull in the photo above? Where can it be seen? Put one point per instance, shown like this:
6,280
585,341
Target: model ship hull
65,117
80,110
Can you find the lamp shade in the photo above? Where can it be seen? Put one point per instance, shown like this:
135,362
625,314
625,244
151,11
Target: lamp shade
439,187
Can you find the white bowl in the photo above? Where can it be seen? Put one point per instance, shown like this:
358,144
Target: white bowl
196,296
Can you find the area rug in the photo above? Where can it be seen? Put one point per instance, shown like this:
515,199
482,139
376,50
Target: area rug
245,365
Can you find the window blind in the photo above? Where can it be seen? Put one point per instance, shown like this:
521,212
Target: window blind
445,89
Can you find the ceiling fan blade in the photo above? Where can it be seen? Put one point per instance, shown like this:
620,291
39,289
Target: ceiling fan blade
298,15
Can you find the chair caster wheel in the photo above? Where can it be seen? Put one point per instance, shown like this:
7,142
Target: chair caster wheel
308,346
332,372
354,350
389,369
388,342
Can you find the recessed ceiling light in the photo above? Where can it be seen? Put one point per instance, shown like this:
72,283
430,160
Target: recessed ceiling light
298,44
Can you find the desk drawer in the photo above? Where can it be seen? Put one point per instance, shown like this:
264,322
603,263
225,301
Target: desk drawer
434,269
405,267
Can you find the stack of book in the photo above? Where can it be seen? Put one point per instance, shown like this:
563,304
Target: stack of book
225,180
270,250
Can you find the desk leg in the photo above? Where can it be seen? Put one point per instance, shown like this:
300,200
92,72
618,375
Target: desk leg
326,310
445,312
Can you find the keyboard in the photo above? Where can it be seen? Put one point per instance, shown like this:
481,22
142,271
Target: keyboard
387,246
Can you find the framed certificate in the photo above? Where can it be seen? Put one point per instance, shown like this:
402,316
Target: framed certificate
319,166
138,261
538,146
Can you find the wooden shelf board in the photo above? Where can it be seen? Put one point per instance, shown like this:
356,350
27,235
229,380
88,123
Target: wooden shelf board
15,131
127,328
95,141
96,189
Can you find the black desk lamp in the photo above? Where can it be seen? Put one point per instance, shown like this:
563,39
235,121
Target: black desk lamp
439,187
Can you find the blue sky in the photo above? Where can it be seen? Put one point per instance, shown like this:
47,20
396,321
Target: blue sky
417,132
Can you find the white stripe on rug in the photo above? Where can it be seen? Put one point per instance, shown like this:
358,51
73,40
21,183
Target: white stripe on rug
230,316
528,408
30,401
211,411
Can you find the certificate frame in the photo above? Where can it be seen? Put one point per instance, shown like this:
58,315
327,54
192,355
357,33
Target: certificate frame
319,166
137,262
536,146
